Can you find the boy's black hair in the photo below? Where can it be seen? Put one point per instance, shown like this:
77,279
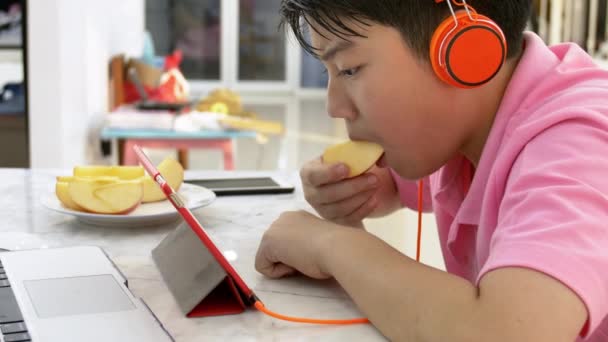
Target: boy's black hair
415,19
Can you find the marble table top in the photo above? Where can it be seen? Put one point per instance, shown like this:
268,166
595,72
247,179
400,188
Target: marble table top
235,223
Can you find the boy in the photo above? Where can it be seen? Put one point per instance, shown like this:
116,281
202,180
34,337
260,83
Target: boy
514,169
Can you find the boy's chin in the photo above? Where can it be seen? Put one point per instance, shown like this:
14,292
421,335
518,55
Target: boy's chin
401,169
405,172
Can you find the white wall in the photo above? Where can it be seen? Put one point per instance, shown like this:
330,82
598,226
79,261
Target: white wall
70,43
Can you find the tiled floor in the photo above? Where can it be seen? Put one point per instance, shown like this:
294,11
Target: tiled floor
308,132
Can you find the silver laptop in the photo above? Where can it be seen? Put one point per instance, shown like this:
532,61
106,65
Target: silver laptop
70,294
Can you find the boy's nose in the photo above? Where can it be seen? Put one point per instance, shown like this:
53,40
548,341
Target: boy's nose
339,104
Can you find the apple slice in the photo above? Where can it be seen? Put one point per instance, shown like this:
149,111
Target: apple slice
106,196
359,156
92,171
63,194
122,172
172,171
65,179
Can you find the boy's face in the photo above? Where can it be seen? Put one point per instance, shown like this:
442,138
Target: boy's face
388,96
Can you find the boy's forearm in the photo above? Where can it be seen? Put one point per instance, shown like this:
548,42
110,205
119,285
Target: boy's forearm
411,301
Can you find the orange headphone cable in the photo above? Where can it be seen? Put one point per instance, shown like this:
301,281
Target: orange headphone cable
420,207
260,307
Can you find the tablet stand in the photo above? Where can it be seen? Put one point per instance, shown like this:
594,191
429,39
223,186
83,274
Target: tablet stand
196,280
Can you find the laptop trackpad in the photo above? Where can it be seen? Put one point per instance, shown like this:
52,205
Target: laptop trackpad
77,296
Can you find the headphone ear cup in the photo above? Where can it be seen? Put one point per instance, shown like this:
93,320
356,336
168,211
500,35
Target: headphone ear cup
470,54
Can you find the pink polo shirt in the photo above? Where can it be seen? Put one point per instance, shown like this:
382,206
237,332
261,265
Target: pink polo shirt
539,197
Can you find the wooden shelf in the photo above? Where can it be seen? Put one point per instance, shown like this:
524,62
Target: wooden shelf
14,145
12,121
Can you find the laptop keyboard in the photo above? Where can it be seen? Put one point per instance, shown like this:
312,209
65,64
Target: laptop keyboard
12,326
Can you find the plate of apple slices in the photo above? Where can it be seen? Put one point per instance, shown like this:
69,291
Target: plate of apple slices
123,196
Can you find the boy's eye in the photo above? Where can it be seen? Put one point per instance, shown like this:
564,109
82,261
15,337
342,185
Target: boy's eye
349,72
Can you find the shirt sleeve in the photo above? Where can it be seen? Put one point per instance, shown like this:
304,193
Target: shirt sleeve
408,192
553,217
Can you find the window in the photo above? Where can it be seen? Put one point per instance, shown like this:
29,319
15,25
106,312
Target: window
312,73
261,44
192,26
231,43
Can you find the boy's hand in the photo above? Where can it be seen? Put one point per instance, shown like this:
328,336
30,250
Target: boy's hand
294,243
346,201
335,198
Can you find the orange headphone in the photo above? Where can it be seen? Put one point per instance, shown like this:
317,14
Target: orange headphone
467,49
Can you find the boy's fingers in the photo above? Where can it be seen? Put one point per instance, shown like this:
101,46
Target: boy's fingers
333,193
363,211
278,270
340,191
343,210
268,265
316,174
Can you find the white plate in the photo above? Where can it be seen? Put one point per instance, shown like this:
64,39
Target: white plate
145,214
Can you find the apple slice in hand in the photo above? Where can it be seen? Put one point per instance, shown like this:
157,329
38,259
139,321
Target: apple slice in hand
106,196
172,171
359,156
